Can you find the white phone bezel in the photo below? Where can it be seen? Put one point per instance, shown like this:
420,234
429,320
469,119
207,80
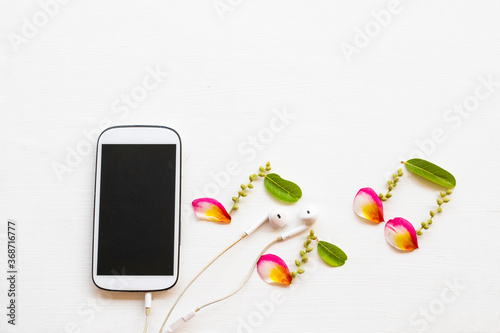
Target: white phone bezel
137,135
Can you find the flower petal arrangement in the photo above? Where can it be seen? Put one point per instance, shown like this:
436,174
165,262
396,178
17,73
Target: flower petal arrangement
401,234
272,269
368,205
209,209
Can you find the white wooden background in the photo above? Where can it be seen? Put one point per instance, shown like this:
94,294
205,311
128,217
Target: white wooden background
413,86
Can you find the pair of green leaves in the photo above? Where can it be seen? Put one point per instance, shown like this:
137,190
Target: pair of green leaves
288,191
431,172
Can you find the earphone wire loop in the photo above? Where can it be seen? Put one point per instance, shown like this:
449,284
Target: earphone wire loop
195,278
246,279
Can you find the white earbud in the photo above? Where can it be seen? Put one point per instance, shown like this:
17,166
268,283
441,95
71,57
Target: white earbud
275,218
309,215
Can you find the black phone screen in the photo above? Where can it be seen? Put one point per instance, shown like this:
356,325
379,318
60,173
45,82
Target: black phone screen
137,209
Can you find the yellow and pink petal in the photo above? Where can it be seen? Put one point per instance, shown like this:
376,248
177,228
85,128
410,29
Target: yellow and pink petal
272,269
401,234
209,209
368,205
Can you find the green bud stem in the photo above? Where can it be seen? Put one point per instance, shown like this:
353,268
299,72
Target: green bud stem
303,254
251,178
391,184
440,201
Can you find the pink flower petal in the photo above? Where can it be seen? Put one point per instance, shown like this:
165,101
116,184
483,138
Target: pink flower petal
272,269
368,205
210,210
401,234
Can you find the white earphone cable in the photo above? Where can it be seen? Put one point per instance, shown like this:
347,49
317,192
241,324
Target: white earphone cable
195,278
276,220
192,313
246,279
146,324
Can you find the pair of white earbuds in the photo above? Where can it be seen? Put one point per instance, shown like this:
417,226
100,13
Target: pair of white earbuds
278,220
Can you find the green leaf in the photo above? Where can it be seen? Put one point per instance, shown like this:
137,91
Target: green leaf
331,254
431,172
282,189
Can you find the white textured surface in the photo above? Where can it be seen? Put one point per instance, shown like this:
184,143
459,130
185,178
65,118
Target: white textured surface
353,123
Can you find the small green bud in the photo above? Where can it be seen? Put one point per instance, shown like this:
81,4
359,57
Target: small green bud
268,164
380,196
268,168
394,175
293,274
309,249
390,187
388,195
426,226
446,199
308,237
254,176
235,207
305,259
396,179
429,222
314,237
443,194
449,192
261,174
300,271
307,242
383,198
419,232
423,224
235,199
243,186
239,192
311,232
261,168
302,253
432,213
297,262
250,185
439,210
439,201
400,172
243,194
389,182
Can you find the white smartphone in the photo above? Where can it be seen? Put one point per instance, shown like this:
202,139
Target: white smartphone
137,209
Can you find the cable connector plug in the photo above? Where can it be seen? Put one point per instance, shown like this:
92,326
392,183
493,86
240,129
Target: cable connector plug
147,305
181,321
